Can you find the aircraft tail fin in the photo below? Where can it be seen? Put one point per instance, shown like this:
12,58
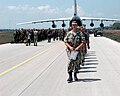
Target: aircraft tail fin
75,8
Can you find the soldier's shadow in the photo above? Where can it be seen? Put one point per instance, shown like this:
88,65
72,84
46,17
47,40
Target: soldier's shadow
89,66
86,71
91,58
88,80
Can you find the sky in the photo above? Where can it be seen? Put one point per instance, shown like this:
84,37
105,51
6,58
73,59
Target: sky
16,11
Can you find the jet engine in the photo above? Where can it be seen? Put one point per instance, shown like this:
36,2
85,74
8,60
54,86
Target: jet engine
63,24
54,25
101,24
91,24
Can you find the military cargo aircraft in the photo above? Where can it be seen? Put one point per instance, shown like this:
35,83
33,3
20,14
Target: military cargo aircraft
74,18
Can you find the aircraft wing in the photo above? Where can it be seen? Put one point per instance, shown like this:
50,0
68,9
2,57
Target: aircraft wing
47,20
98,19
68,19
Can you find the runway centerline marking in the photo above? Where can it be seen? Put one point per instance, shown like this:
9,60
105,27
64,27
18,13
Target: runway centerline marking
22,63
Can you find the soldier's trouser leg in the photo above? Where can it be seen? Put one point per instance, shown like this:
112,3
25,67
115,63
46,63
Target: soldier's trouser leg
79,60
35,42
29,42
76,69
70,77
73,66
70,66
75,76
49,39
70,70
85,48
82,60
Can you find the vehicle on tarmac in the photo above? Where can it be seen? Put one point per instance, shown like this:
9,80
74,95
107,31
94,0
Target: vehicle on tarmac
98,32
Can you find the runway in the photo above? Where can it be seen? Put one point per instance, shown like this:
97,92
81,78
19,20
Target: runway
42,70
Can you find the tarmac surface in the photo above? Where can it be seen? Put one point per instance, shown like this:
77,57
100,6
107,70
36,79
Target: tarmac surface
42,70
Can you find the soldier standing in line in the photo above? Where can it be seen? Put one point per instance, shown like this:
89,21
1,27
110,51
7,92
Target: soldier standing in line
54,34
28,38
87,40
35,37
49,35
85,37
73,43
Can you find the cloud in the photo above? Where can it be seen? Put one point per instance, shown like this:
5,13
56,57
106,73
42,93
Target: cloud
19,8
45,9
96,14
80,11
26,8
48,9
116,15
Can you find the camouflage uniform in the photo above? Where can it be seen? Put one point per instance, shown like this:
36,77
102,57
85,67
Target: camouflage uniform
83,48
74,40
35,37
28,39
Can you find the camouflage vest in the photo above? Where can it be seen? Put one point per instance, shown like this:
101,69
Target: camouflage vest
74,39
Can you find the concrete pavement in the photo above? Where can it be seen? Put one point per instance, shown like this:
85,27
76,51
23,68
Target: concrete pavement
42,70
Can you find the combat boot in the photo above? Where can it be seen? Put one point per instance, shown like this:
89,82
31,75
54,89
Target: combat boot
75,76
70,77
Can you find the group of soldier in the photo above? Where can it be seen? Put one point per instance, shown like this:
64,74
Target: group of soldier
77,43
29,36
